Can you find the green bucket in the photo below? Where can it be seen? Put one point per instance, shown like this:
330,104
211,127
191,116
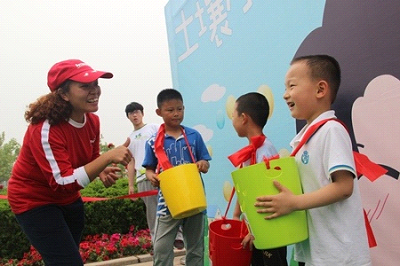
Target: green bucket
257,180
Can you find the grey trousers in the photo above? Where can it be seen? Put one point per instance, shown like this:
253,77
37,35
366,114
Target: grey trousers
151,205
193,235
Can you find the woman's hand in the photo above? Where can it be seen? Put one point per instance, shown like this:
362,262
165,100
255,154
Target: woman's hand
121,154
110,175
97,167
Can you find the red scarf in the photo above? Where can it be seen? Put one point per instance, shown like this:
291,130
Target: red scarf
162,158
248,152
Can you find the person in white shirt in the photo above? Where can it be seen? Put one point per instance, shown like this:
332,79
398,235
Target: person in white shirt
337,233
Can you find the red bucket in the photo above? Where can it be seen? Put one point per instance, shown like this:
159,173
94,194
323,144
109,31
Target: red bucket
225,243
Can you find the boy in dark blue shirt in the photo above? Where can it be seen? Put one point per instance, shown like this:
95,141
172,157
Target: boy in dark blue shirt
171,109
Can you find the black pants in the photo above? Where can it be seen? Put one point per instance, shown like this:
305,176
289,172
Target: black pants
55,231
269,257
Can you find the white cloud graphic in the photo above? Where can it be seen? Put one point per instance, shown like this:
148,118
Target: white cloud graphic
205,132
213,93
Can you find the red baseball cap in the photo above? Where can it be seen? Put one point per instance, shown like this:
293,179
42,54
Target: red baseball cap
75,70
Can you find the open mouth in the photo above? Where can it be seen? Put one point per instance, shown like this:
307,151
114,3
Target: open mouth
95,100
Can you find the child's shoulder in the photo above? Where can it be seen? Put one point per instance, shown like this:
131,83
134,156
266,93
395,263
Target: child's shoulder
268,149
333,126
193,134
153,125
190,130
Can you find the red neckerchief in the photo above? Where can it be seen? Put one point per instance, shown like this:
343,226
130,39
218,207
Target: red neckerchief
242,155
248,152
162,158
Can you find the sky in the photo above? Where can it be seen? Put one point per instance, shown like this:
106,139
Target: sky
127,38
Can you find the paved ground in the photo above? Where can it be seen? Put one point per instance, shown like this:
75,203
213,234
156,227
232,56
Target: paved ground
150,263
141,260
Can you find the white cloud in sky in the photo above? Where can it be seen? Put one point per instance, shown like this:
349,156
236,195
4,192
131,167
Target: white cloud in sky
213,93
205,132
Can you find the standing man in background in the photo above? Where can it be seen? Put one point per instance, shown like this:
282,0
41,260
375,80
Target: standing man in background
136,173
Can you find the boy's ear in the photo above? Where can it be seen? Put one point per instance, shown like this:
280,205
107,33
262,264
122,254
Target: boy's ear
158,112
322,88
245,118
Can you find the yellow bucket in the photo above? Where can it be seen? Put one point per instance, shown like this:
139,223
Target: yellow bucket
257,180
183,190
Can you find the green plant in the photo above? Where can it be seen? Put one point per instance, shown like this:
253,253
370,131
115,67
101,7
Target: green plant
13,242
102,217
112,215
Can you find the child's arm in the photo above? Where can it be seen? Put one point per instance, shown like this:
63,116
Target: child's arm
237,212
286,202
247,241
203,166
131,176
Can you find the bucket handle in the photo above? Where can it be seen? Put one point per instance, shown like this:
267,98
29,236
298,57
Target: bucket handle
243,229
236,246
229,203
266,160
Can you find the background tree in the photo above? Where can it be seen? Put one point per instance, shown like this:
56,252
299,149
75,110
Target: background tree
8,153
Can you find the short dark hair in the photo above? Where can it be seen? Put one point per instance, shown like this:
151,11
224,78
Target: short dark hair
133,106
323,67
255,105
168,94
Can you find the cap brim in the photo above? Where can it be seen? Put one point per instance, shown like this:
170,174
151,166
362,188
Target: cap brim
87,77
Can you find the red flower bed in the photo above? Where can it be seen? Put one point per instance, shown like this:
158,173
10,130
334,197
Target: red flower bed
98,248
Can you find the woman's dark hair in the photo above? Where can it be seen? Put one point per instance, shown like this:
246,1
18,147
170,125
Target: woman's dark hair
51,107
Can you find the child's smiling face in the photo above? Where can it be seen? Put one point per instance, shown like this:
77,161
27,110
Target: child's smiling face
301,92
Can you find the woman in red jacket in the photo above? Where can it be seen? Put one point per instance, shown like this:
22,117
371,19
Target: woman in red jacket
60,155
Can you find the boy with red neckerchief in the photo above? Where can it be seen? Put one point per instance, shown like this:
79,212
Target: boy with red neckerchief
249,118
336,227
172,141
